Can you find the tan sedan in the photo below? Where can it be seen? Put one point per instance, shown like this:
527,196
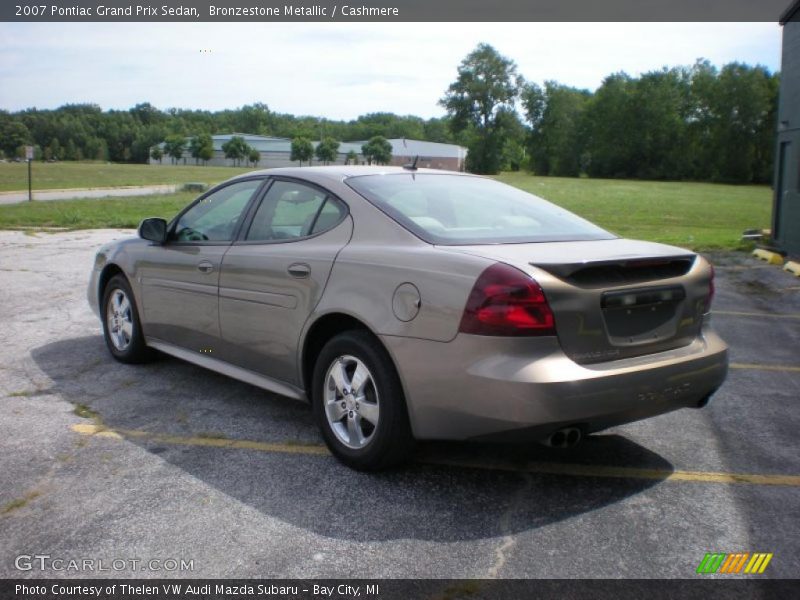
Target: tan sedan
415,304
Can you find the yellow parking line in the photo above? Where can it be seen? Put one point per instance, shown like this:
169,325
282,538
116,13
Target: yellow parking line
736,313
539,468
740,267
546,468
211,442
759,367
215,442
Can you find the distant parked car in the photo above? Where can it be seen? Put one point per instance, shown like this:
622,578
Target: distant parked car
415,304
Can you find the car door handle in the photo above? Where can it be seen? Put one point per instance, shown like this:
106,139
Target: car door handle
205,267
299,270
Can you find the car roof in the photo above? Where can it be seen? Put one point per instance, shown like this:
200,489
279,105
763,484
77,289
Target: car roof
341,172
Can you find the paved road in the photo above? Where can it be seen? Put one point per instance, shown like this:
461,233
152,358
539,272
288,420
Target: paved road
170,461
47,195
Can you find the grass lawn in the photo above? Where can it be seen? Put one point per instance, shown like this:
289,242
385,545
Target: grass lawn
701,216
92,214
67,174
691,215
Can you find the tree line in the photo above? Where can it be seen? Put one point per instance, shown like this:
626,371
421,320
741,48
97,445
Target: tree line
86,132
695,122
377,150
682,123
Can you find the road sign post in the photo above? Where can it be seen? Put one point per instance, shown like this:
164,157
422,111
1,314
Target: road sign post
29,158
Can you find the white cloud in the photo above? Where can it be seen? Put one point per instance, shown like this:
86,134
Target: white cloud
336,70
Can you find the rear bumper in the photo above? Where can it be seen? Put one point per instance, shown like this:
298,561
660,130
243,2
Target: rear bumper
526,388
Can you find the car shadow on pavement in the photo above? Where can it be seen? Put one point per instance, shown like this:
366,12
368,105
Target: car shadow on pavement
451,492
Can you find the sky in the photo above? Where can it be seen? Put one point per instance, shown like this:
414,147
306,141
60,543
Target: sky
336,70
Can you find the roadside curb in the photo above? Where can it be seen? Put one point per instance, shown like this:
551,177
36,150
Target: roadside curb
792,267
772,258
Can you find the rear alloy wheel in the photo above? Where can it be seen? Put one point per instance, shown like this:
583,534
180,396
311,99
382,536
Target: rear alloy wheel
121,327
352,404
359,403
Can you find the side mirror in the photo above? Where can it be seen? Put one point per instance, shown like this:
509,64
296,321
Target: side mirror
154,230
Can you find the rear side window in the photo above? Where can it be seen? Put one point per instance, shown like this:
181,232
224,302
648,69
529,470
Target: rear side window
331,213
292,210
456,209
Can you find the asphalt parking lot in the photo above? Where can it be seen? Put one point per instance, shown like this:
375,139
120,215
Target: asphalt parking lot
167,461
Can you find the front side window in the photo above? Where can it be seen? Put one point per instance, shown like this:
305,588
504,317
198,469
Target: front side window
293,210
457,210
214,218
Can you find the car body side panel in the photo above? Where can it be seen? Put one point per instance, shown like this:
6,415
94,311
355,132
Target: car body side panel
123,254
179,301
262,307
365,278
382,256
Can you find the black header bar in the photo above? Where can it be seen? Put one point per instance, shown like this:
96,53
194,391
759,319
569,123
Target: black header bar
195,11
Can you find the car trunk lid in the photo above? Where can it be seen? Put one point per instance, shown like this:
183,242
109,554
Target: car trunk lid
613,299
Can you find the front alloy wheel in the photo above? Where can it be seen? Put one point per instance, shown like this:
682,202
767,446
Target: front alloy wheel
121,326
119,320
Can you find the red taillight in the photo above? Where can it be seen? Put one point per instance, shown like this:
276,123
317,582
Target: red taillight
505,301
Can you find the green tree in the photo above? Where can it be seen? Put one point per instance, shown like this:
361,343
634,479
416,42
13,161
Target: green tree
157,154
352,158
71,150
377,150
660,104
174,147
387,125
611,129
147,114
438,130
254,156
302,149
236,149
253,118
199,145
13,134
144,138
487,84
555,115
512,147
206,150
742,127
327,150
55,149
95,148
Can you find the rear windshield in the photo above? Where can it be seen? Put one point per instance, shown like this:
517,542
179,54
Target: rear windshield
458,210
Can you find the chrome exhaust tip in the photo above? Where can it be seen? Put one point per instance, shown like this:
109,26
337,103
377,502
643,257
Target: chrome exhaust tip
566,437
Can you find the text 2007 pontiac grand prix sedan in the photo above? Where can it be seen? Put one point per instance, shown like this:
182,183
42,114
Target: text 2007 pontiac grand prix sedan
415,304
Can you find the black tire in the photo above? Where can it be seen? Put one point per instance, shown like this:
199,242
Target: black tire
391,441
136,351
